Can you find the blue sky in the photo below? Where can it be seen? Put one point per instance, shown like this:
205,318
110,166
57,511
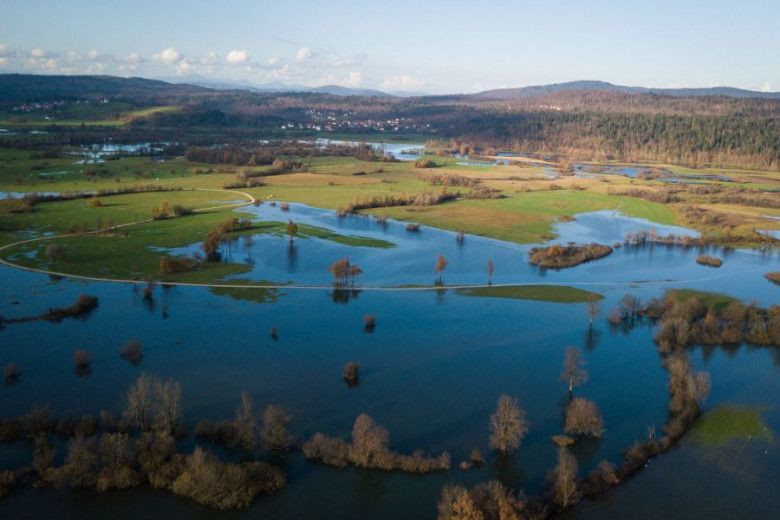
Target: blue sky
431,46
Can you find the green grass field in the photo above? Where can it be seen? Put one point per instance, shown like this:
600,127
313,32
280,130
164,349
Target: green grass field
526,213
546,293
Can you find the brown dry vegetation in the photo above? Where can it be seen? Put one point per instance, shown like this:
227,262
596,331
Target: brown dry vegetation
558,257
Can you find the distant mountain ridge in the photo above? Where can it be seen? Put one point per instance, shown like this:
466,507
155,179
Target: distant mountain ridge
21,88
603,86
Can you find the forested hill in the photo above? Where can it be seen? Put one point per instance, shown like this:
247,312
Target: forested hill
31,88
610,123
603,86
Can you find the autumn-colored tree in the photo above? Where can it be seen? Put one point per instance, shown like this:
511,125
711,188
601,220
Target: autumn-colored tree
292,229
490,272
441,265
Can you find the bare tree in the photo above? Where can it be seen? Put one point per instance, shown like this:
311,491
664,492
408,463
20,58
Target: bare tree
456,504
574,373
508,425
274,429
563,479
245,422
490,272
594,308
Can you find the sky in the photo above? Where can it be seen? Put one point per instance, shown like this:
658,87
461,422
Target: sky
429,46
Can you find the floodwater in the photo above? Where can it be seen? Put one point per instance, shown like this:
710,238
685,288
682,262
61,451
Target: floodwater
431,370
400,151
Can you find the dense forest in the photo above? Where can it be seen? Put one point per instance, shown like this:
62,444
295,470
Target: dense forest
695,130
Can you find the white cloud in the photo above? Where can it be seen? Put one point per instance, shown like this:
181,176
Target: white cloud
93,54
37,53
237,57
3,62
133,58
303,54
354,79
3,48
169,55
766,87
403,82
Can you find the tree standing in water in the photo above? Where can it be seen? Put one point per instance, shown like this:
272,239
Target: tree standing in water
594,309
441,265
292,229
490,272
574,373
508,425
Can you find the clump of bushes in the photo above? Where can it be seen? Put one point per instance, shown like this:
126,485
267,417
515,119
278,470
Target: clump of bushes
154,404
132,352
369,449
487,500
450,179
221,485
773,277
344,273
557,256
83,306
173,264
583,418
351,373
425,163
82,359
710,261
181,211
412,227
162,211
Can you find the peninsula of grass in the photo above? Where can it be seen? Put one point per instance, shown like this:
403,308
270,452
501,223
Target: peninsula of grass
546,293
773,277
710,300
134,252
725,423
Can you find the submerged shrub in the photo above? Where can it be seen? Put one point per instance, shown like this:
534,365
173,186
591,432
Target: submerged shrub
351,373
369,323
132,352
485,501
223,485
369,449
11,373
583,418
82,359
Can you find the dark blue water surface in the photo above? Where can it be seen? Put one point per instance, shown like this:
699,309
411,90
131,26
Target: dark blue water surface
431,371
